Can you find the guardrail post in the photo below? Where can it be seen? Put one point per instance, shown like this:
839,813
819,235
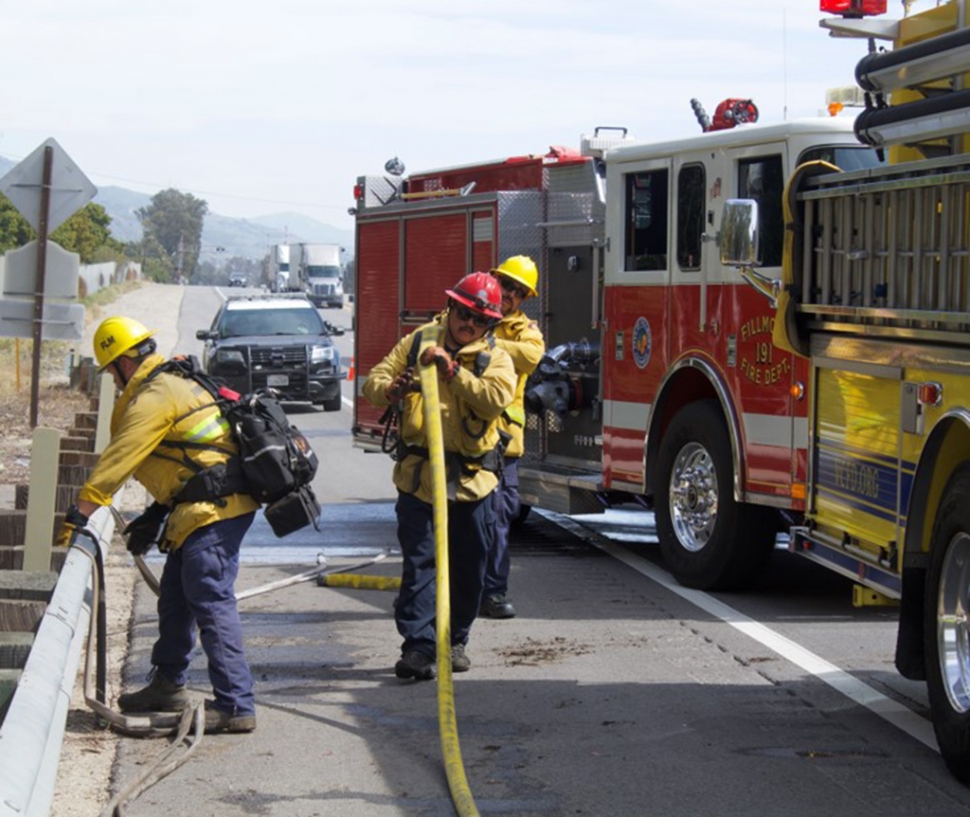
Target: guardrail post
106,401
45,451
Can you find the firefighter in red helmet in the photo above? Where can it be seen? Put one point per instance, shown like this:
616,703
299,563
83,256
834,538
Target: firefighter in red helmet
477,381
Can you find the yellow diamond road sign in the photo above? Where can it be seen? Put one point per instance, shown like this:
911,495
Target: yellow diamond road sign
70,188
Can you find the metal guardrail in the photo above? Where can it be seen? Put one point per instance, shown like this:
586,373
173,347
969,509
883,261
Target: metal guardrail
33,730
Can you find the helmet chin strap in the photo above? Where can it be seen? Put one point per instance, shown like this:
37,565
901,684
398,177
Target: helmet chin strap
121,373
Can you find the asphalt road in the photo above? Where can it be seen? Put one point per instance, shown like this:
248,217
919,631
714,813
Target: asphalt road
614,692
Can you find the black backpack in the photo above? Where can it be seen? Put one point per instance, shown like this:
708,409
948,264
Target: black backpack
275,464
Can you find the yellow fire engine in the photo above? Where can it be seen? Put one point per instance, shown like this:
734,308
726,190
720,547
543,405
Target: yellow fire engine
876,294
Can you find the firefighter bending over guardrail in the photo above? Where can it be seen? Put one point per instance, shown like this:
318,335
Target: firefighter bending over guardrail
164,430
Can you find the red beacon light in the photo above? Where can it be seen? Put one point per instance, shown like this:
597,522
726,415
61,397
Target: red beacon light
853,8
729,113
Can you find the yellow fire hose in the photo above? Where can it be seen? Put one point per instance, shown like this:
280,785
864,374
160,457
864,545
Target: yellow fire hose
461,794
361,581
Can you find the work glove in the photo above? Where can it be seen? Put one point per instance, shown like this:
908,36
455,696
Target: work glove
73,520
400,386
447,368
145,530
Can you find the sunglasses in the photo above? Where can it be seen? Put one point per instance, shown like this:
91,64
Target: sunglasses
512,288
466,314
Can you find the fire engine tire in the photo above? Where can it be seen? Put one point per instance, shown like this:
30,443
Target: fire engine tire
946,625
709,540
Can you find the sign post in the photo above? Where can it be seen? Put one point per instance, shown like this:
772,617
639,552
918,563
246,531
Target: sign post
45,208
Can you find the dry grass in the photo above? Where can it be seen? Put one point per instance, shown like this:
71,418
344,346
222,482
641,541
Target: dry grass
57,405
57,402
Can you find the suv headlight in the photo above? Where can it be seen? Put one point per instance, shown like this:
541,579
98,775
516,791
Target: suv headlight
229,356
320,353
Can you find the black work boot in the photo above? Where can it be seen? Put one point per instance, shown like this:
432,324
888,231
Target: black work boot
218,720
414,664
460,662
497,606
161,695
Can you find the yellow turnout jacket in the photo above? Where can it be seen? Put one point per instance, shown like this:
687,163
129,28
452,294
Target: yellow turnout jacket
148,422
518,335
470,407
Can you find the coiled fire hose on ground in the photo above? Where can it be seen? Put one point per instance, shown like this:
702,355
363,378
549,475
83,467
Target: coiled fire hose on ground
187,726
461,794
148,725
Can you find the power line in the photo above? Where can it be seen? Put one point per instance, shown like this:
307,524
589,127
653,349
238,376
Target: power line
221,195
158,187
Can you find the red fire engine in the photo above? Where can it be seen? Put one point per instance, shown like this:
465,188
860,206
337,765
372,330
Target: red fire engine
660,383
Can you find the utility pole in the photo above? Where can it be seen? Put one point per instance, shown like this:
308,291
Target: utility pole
179,254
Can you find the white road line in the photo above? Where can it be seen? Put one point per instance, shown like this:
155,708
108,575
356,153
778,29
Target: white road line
347,402
886,708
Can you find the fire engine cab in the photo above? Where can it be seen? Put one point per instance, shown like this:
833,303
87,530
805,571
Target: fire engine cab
660,383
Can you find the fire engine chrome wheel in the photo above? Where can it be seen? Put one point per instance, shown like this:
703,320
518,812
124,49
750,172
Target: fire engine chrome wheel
946,633
953,645
708,539
693,496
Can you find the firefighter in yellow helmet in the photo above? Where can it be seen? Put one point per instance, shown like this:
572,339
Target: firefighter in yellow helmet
165,428
476,381
518,335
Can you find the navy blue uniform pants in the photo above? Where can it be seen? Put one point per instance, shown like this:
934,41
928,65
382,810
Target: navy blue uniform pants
507,505
196,588
470,527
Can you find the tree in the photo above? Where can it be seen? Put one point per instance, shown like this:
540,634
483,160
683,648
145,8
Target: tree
174,220
86,232
156,263
14,229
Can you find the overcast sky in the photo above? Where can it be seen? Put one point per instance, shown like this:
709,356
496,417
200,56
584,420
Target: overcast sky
265,107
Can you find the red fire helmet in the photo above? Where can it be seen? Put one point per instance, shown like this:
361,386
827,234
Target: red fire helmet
479,291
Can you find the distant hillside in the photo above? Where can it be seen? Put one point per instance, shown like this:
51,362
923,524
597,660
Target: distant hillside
248,238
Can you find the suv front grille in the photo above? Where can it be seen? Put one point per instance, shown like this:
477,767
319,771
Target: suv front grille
277,356
291,361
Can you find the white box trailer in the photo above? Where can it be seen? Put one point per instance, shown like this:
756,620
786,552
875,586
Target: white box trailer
317,268
277,268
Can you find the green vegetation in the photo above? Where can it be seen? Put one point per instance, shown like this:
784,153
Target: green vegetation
87,232
172,236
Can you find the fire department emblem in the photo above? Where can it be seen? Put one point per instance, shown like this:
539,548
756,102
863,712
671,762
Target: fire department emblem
642,342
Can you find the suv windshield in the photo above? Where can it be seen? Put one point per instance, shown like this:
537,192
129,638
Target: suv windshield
239,322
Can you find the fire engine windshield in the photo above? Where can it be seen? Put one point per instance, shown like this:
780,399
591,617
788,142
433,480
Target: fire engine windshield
846,157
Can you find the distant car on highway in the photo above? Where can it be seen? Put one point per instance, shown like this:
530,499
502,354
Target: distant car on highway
238,279
278,342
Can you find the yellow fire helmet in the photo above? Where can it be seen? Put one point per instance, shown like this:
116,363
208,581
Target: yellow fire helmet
119,336
522,270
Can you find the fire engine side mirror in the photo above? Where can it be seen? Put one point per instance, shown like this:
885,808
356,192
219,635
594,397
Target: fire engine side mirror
738,244
739,233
